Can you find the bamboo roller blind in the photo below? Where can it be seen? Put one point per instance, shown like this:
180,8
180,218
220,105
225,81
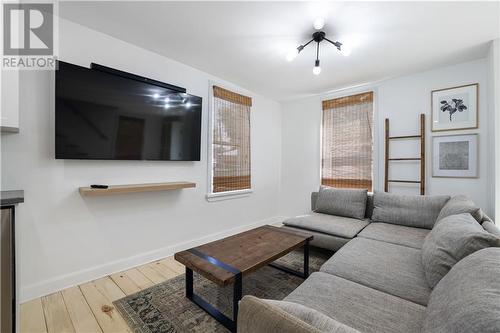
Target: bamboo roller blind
346,157
230,141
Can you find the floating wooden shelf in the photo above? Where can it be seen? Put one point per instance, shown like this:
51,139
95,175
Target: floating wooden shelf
135,188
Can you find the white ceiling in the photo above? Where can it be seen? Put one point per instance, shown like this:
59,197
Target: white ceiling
246,42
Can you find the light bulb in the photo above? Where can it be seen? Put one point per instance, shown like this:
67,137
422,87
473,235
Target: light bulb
167,99
188,104
292,55
345,50
156,95
166,106
316,68
319,23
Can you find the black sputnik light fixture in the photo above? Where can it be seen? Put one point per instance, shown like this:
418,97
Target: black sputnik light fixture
318,36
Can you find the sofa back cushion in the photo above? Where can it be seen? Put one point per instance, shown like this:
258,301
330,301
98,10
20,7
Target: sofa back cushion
452,239
460,204
467,299
369,203
418,211
342,202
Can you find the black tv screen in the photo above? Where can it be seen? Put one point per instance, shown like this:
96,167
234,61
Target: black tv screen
104,116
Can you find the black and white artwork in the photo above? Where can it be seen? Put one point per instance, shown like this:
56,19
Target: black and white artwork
454,108
455,156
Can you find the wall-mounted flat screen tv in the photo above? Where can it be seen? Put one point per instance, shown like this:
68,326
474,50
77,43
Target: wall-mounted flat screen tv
103,116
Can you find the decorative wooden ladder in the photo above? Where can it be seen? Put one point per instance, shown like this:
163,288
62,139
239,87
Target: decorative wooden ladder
421,158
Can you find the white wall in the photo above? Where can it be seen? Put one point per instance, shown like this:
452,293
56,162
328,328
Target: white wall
401,100
66,239
494,123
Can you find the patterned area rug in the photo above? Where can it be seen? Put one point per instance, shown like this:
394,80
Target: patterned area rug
164,307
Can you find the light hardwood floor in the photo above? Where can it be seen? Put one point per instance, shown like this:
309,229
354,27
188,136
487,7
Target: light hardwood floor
88,308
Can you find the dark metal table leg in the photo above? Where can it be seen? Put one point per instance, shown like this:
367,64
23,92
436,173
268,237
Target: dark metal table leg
237,294
306,259
305,273
189,283
229,323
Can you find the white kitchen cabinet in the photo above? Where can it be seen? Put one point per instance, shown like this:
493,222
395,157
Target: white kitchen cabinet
9,109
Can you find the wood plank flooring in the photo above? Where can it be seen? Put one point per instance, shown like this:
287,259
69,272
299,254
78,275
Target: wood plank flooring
88,308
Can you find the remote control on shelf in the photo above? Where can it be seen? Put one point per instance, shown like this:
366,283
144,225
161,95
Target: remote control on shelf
99,186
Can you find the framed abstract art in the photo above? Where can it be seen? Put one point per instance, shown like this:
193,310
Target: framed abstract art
455,156
455,108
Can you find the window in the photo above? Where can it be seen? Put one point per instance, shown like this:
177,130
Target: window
346,157
230,141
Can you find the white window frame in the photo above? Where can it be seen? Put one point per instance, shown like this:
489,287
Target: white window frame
218,196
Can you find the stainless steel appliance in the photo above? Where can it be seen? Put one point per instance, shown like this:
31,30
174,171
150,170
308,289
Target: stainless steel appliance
8,299
7,284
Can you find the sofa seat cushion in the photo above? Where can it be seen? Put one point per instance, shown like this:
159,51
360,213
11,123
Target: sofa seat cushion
324,241
396,234
467,299
452,239
420,211
345,227
358,306
391,268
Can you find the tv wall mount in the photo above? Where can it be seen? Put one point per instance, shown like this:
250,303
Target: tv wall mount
139,78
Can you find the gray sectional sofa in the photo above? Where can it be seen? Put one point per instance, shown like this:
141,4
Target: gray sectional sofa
402,264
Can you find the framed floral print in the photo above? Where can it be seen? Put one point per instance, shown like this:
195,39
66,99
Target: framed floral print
454,156
455,108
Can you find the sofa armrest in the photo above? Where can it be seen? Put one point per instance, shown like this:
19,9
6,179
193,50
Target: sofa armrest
257,316
485,218
314,198
269,316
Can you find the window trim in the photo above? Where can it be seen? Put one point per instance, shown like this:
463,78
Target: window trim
218,196
228,195
376,167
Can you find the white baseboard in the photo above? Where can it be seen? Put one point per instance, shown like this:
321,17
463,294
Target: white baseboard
65,281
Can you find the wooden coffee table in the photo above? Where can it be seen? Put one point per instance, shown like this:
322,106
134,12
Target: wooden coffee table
227,260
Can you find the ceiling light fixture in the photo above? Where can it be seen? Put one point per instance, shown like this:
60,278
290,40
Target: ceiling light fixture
318,37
